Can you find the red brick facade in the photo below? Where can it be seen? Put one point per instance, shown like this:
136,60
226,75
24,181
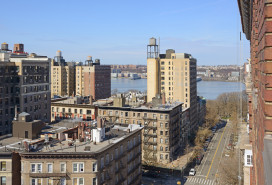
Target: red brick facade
98,83
259,31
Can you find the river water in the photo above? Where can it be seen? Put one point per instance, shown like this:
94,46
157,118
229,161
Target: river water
208,89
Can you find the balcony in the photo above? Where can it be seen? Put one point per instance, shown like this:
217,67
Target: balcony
150,143
147,118
150,126
150,135
46,175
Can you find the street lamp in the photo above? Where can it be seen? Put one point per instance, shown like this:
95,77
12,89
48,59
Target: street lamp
179,183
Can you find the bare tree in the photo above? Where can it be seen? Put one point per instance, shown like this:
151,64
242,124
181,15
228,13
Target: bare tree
229,170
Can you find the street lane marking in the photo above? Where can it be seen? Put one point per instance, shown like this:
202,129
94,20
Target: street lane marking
210,148
215,152
227,138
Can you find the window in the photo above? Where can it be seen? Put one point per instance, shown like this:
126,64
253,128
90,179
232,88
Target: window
161,148
161,140
49,181
161,124
116,153
78,181
166,148
36,182
102,162
166,140
121,149
36,167
94,181
62,167
166,133
62,181
3,166
249,160
154,116
3,180
161,156
166,156
161,132
166,125
78,167
94,167
50,168
161,116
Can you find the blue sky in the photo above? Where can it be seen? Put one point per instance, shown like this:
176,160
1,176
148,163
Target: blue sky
117,31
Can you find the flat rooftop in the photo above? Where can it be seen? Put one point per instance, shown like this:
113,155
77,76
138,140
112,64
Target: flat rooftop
159,108
113,136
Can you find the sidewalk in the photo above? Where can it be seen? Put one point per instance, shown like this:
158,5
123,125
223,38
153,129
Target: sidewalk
181,162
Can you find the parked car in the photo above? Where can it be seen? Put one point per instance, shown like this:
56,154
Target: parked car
192,172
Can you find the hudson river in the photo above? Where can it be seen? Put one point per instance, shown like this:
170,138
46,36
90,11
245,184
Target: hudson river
208,89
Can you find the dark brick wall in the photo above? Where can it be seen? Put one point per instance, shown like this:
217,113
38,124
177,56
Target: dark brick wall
260,108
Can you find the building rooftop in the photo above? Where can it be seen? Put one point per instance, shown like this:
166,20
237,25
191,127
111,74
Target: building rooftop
114,135
148,107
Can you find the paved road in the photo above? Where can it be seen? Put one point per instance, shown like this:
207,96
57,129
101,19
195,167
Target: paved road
207,171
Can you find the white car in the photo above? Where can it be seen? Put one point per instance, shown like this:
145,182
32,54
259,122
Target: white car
192,172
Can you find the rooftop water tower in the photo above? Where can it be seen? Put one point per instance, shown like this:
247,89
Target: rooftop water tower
152,48
89,61
4,46
58,58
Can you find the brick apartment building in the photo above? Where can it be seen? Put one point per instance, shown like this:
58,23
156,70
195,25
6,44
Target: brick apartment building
162,123
72,107
93,79
62,77
10,169
256,17
25,84
111,156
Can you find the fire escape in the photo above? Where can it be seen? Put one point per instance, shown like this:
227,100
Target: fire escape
150,140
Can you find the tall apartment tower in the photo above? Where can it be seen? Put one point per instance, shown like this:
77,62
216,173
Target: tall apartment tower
63,77
24,87
93,79
172,74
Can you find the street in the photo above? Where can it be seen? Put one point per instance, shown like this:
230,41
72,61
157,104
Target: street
207,171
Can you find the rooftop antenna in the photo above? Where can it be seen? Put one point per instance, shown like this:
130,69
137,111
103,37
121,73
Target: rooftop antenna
159,45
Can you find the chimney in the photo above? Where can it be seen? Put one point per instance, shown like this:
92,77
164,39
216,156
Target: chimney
91,99
99,122
16,116
163,98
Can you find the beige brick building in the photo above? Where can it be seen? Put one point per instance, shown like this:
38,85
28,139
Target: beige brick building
62,77
10,168
173,74
116,160
162,124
